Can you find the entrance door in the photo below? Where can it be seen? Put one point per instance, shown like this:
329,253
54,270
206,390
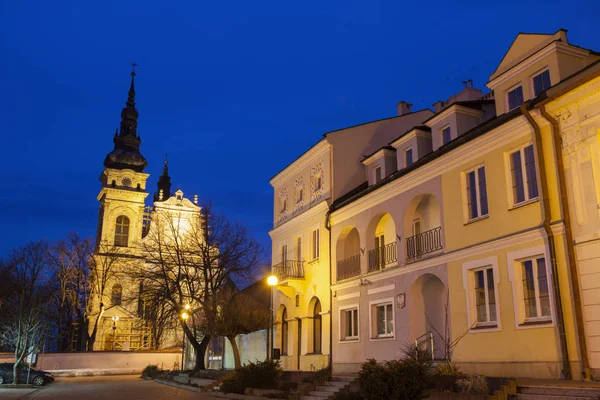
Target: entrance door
299,341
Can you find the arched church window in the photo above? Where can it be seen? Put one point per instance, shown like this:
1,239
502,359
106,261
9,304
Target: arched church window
317,328
284,332
122,231
117,294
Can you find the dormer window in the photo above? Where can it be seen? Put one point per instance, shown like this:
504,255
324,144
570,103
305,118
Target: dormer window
377,175
515,98
541,82
446,137
408,157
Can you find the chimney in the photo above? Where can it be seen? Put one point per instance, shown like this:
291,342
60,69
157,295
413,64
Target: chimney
403,108
438,105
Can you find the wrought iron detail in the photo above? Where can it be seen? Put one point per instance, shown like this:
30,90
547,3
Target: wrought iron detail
348,267
382,256
423,243
289,269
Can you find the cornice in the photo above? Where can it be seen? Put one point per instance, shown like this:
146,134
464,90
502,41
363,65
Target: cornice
453,109
291,224
301,162
410,135
378,154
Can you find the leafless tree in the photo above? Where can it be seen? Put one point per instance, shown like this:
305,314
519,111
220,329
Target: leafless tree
26,322
191,258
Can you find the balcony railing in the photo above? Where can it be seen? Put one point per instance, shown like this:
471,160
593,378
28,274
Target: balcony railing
289,269
423,243
348,267
382,256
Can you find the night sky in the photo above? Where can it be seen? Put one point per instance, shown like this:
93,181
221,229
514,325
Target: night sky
233,91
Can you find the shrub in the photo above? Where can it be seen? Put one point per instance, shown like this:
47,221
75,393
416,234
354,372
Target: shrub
447,368
324,373
349,396
259,375
404,379
151,371
473,384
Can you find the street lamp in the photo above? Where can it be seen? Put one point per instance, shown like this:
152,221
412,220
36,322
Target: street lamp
184,317
272,281
114,328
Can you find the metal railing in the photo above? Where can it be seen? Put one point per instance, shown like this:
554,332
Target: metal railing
289,269
423,243
382,256
348,267
425,342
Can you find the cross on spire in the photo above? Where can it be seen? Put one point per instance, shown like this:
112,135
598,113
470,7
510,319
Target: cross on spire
133,65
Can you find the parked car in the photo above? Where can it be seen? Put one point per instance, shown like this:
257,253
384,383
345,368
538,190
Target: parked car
37,377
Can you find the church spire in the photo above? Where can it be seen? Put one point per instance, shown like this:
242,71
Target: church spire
164,183
126,154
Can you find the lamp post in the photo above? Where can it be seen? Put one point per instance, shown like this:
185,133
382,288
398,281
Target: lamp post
184,317
272,281
114,328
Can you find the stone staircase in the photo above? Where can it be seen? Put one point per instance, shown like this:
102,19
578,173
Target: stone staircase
530,389
329,389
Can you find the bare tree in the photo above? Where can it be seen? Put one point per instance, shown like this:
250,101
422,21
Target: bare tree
26,321
191,257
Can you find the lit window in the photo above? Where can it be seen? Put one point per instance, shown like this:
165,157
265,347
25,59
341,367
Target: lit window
315,244
377,174
408,157
541,82
536,296
349,319
384,320
122,231
515,98
476,193
484,296
523,175
446,137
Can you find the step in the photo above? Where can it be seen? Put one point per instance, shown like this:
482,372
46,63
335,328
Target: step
312,398
317,393
547,397
568,391
331,389
335,384
343,378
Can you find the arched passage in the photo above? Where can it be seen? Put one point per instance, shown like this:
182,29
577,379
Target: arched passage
422,226
315,327
348,253
428,303
381,242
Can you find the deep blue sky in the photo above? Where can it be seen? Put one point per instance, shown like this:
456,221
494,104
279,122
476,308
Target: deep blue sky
232,90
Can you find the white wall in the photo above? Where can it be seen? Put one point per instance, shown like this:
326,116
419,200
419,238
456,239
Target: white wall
106,360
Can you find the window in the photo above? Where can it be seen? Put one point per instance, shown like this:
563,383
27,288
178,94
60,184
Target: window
377,175
284,332
117,294
484,296
408,157
284,253
349,320
122,231
299,194
515,98
541,82
523,174
317,328
315,244
446,137
536,296
299,248
384,320
476,193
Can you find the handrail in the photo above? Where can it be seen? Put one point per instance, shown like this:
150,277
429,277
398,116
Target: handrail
289,269
423,243
381,256
348,267
419,341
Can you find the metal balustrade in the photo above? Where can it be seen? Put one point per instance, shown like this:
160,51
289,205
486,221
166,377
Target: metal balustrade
348,267
382,256
289,269
423,243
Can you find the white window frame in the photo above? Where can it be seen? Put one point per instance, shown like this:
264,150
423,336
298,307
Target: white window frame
513,88
509,177
442,135
342,326
468,270
535,75
412,156
314,256
514,260
373,318
466,211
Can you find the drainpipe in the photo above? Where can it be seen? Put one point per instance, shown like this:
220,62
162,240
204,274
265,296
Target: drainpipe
328,227
546,218
562,187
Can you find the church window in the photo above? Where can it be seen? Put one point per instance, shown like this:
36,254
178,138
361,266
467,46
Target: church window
122,231
117,293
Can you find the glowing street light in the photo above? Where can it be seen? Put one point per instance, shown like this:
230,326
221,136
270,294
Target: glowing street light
272,282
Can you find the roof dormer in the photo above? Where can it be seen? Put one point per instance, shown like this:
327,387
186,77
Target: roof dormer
412,145
380,164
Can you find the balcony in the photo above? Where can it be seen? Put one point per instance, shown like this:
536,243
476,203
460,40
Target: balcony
289,269
348,267
423,243
380,257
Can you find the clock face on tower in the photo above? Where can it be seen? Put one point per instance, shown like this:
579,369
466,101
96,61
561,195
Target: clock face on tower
126,182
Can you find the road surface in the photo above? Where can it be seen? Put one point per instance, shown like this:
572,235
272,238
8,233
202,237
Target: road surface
118,387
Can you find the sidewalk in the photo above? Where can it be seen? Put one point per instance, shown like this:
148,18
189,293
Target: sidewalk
94,372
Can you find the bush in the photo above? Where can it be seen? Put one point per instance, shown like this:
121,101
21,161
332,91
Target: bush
151,371
473,384
259,375
404,379
349,396
447,368
323,374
